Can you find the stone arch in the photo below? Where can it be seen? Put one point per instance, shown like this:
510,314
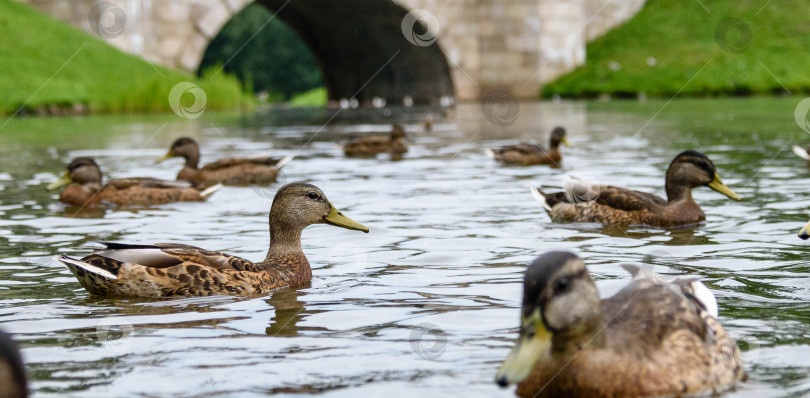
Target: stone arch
359,45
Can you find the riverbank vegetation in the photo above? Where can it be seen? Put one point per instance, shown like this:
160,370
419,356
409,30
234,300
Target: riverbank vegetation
49,67
698,48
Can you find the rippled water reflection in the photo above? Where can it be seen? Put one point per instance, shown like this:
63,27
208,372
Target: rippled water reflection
425,303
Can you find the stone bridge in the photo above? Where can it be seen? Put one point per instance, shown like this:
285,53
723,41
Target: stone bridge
411,51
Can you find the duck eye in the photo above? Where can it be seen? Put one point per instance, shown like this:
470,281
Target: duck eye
562,285
312,195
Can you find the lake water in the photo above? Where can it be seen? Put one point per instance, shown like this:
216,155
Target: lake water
427,303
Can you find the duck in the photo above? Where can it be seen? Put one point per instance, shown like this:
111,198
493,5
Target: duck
169,270
395,143
229,171
586,202
13,381
83,188
652,338
527,154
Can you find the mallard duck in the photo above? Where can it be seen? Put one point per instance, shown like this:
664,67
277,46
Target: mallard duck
395,143
162,270
584,202
84,189
230,171
13,382
526,154
803,153
653,338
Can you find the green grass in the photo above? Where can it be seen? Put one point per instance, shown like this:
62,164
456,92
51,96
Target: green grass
314,97
680,35
45,62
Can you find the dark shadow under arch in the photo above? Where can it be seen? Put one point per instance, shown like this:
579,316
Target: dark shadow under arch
363,53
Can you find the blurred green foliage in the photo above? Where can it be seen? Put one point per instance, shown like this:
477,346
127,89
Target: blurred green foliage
264,52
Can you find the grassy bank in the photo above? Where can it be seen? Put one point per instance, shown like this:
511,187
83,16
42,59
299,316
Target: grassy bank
47,65
700,48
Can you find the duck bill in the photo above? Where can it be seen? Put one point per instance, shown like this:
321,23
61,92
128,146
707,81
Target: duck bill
336,218
565,142
529,349
63,181
805,232
168,155
717,185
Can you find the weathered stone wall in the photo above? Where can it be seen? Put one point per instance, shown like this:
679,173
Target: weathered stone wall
516,45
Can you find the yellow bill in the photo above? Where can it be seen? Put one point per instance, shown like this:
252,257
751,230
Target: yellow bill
534,342
336,218
565,142
168,155
805,232
63,181
717,185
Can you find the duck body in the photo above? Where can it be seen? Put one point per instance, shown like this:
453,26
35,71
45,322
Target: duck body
13,381
170,270
229,171
526,154
610,205
166,270
89,192
651,339
395,143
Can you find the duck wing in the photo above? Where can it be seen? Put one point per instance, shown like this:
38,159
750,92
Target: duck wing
242,162
164,255
126,183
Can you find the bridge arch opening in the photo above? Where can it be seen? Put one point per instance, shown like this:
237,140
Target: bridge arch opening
363,53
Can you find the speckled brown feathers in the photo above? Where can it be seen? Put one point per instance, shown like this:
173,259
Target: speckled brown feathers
86,190
164,270
610,205
230,171
526,154
653,338
395,143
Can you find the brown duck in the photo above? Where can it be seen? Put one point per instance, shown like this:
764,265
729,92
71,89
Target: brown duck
230,171
526,154
13,382
83,188
162,270
395,143
653,338
609,205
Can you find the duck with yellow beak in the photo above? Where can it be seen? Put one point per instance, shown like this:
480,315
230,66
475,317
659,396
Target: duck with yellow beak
609,205
528,154
653,338
165,270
